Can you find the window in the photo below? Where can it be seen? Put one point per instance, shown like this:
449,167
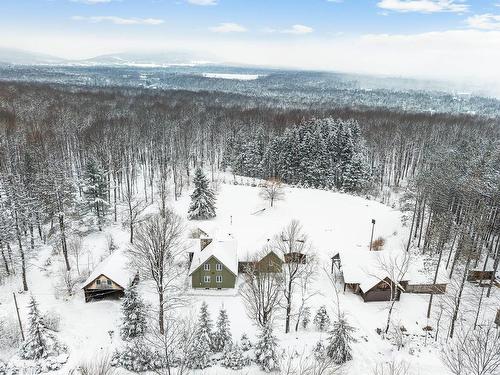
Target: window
218,267
110,282
98,282
218,279
206,267
206,279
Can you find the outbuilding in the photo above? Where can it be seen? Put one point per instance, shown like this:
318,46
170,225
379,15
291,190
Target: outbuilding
110,278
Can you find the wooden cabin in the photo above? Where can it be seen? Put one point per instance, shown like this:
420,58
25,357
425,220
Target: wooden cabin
362,274
109,279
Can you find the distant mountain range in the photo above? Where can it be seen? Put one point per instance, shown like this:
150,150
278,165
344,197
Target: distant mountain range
20,57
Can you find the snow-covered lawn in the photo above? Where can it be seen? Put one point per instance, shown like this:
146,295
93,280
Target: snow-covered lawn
333,221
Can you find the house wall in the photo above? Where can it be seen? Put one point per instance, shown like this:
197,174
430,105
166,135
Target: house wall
103,285
228,279
270,263
380,292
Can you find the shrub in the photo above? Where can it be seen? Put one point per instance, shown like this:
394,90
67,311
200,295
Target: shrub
378,244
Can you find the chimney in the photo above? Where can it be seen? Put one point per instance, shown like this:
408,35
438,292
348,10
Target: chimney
205,242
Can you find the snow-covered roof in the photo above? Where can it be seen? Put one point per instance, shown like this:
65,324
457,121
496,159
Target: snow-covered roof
363,267
225,249
114,267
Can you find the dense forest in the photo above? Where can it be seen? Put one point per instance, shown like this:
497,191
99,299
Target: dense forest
68,150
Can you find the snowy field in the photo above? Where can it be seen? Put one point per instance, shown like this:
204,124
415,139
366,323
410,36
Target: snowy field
332,221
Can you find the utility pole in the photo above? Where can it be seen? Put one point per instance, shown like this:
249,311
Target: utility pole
18,317
373,228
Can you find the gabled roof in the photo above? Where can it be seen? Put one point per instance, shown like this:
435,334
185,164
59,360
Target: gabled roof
363,268
114,267
225,250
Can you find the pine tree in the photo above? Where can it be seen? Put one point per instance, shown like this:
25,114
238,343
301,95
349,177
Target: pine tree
133,314
322,320
306,317
201,347
245,343
339,341
233,357
39,343
265,350
222,334
95,188
202,205
319,350
355,175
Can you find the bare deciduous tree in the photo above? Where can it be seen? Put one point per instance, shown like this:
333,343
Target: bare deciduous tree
272,190
157,254
293,246
261,293
474,352
392,368
394,267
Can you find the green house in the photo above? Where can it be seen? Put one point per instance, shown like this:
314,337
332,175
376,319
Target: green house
214,265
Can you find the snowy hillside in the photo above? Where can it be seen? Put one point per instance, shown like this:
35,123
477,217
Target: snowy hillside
332,221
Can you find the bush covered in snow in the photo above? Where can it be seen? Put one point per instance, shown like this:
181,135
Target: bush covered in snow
137,356
245,343
233,357
10,336
322,320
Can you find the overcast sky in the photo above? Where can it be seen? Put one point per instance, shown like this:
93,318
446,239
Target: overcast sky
449,39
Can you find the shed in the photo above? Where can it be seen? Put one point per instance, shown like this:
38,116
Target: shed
110,278
364,276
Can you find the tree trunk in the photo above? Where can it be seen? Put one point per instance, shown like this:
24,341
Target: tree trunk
64,244
4,258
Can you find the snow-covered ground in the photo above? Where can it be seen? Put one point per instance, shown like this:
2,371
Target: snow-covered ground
239,77
332,221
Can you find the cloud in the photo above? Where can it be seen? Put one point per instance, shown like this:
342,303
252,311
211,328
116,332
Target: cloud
228,27
298,30
93,2
424,6
119,20
484,22
202,2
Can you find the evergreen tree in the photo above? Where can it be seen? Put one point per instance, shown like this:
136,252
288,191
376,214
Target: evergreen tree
201,347
222,334
39,343
339,341
95,188
355,174
245,343
265,350
319,350
233,357
202,205
133,314
322,320
306,317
